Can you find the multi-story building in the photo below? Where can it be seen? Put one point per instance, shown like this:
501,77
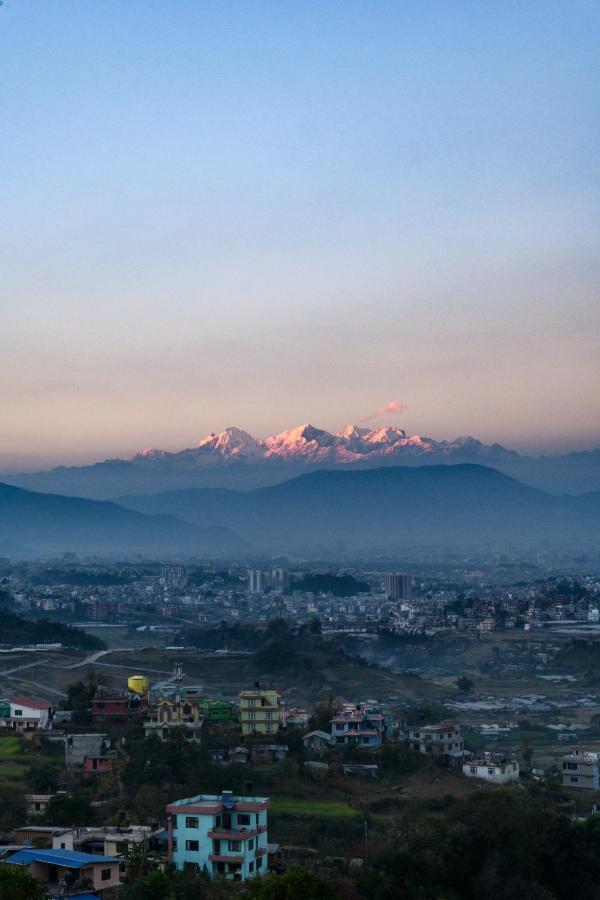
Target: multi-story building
258,581
174,714
214,711
227,834
494,768
362,726
436,740
174,577
260,711
581,769
398,586
116,706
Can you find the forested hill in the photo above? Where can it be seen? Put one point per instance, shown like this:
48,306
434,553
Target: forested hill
18,630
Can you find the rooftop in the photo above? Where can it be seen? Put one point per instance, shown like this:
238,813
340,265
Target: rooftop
71,859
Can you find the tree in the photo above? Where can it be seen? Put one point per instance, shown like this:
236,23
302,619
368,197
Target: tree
298,883
464,684
154,886
13,808
17,884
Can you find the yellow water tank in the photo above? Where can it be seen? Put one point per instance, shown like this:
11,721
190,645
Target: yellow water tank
138,684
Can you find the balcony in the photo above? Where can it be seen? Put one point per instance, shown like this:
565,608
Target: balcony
228,834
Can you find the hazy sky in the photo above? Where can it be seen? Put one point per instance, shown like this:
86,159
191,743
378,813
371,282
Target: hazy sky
266,213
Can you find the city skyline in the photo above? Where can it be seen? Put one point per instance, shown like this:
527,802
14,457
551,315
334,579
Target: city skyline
250,215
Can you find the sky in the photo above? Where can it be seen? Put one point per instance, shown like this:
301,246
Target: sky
262,213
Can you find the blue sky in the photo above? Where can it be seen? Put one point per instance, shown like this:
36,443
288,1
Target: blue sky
261,214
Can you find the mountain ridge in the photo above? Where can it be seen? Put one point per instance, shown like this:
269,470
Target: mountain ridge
233,458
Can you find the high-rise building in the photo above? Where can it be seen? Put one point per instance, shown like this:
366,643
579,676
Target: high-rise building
258,581
398,586
175,577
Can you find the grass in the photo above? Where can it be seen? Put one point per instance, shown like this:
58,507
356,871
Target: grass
299,807
11,746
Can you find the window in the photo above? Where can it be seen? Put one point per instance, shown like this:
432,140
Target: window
259,862
38,806
574,779
473,770
106,874
491,771
194,846
251,844
269,715
251,702
191,821
251,715
100,718
218,821
18,712
243,819
234,846
63,846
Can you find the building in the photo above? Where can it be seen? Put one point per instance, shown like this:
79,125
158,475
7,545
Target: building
78,747
174,577
398,586
24,714
494,768
260,711
258,581
227,834
174,714
214,711
37,804
68,870
317,741
106,841
580,769
358,725
436,740
116,706
268,753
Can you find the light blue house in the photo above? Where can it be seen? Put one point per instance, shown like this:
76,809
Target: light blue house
226,834
359,726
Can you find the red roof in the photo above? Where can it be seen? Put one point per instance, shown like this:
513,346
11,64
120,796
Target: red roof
32,704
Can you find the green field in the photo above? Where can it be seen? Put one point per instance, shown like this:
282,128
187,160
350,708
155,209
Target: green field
12,759
299,807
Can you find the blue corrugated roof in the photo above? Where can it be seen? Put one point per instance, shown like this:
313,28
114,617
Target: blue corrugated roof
84,896
74,859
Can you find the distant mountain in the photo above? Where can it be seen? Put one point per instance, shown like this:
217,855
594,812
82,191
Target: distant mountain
386,507
235,459
46,524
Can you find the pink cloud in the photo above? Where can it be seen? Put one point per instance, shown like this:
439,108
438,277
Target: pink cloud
391,408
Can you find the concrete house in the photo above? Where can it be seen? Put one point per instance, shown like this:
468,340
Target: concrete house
581,769
68,870
436,740
358,725
493,768
225,833
260,711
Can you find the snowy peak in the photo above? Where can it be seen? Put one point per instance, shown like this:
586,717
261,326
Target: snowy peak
232,442
308,445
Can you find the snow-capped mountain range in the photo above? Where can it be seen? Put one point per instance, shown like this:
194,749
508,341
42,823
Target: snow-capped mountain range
308,445
236,460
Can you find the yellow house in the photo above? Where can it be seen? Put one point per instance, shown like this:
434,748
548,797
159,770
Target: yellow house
260,711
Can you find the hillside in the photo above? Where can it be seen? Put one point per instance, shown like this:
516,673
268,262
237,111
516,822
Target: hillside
32,523
385,507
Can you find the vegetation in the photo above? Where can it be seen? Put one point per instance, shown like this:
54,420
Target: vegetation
18,630
17,884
